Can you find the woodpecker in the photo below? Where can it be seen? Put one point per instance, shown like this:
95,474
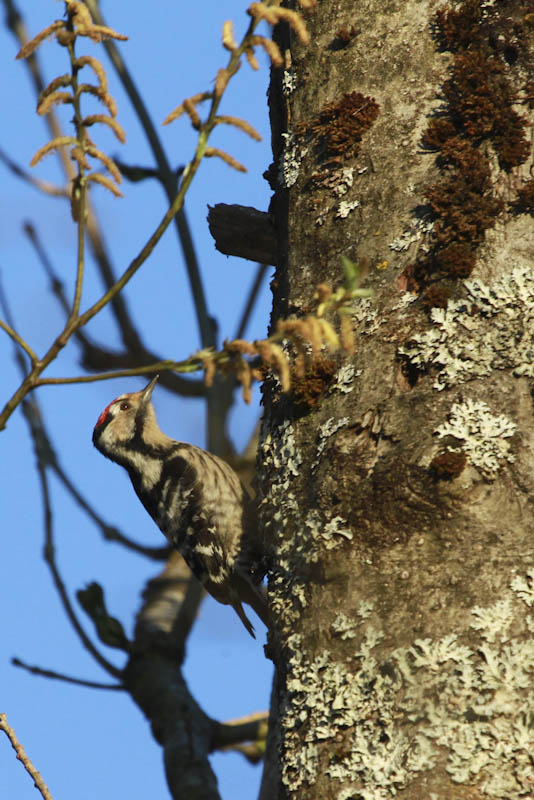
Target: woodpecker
195,498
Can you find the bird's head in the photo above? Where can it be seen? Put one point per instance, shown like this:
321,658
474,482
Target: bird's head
128,418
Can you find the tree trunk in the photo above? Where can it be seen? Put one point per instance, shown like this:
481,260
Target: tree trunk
396,484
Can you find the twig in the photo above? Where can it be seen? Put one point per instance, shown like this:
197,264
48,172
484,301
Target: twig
56,284
34,773
251,300
58,676
10,330
109,532
6,311
46,457
73,325
79,186
43,186
217,408
191,364
94,354
20,341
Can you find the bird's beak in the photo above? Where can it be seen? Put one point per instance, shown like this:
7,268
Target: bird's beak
147,391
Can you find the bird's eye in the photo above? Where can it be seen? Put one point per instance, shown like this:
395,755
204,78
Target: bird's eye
124,406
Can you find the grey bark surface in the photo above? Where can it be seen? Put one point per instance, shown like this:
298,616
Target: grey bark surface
401,594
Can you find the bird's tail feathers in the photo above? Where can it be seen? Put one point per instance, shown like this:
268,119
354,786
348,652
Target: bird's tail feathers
238,608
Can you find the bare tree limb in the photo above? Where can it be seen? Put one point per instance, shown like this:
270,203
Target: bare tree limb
187,613
155,681
32,771
19,340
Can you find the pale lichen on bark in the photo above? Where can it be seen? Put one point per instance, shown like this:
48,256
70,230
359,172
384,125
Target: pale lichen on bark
481,435
296,536
377,724
492,328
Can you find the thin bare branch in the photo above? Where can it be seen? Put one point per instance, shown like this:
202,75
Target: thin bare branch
251,300
59,676
44,186
130,336
32,414
191,364
74,324
96,357
168,180
32,771
20,341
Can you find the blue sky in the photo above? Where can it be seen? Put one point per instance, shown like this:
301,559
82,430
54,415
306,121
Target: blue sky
89,743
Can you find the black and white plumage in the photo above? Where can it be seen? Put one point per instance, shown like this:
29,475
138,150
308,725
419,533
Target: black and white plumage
195,498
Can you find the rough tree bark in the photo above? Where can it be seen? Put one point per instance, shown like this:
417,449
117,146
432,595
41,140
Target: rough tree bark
396,485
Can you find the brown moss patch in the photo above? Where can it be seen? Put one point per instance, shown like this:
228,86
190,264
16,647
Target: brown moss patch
337,131
340,126
456,260
528,91
457,29
477,116
308,387
446,466
525,199
436,296
344,36
438,131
